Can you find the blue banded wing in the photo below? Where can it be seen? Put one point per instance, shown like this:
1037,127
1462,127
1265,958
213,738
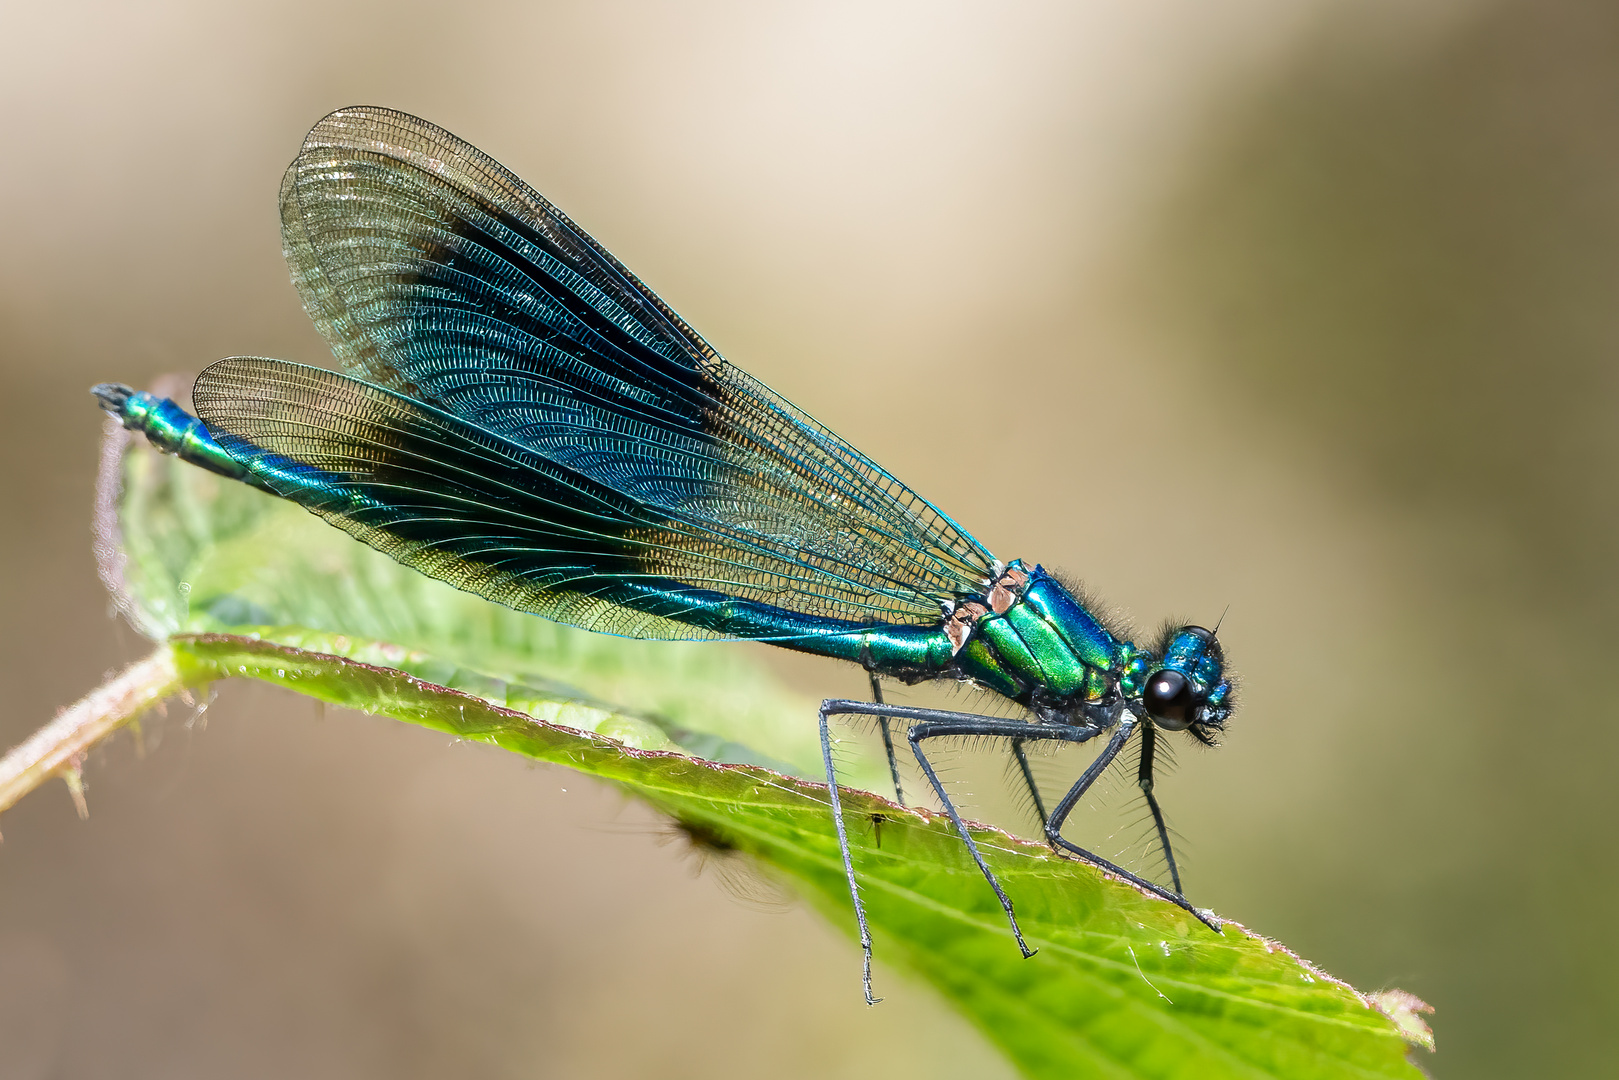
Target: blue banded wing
472,508
438,275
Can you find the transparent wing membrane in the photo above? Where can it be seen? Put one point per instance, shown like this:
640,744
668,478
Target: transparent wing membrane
493,517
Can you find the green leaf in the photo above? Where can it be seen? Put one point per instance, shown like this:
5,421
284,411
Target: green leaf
1124,985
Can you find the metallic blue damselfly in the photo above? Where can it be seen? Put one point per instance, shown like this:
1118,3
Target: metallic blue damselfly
524,419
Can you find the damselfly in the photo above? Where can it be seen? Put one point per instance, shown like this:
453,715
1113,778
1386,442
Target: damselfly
526,420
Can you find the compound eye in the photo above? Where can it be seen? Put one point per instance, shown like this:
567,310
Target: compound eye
1169,700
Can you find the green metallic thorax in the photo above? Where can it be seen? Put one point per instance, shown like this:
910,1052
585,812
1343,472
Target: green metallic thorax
1027,638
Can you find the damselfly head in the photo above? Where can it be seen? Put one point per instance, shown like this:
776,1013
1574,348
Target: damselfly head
1189,690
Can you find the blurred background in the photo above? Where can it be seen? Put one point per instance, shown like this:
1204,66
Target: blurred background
1331,285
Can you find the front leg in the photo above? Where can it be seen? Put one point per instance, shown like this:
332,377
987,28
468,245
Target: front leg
1070,800
1144,781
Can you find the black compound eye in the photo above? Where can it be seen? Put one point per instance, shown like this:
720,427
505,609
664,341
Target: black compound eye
1169,700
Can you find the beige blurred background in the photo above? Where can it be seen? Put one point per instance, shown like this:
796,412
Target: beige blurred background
1308,309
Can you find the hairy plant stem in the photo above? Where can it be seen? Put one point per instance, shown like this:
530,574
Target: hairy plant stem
58,748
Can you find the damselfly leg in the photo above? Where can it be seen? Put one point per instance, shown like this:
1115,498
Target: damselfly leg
1149,744
1121,735
1021,758
888,739
928,724
843,848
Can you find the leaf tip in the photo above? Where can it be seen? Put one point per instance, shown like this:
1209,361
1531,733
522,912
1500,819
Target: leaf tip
1407,1011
